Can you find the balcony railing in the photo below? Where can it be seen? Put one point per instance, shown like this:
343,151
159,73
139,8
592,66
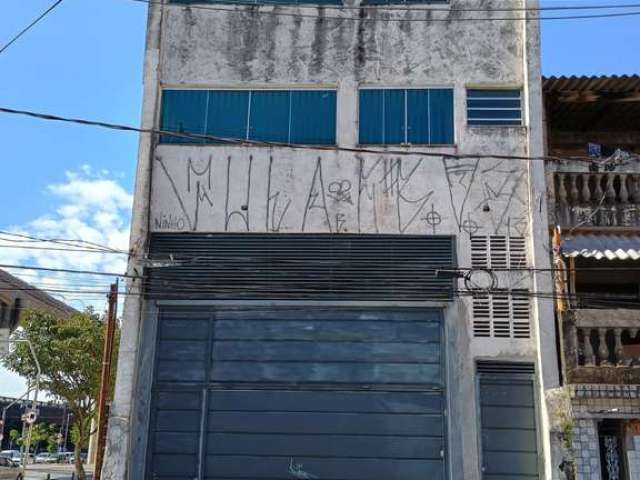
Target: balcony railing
602,346
597,199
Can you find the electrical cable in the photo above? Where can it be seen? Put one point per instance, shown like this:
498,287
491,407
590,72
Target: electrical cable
67,270
30,26
413,7
72,242
245,142
368,19
179,261
61,249
604,299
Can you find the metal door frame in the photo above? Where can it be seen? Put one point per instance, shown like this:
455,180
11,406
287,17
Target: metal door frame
141,410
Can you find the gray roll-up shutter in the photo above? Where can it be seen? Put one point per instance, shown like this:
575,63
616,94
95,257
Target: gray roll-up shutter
285,393
300,266
508,421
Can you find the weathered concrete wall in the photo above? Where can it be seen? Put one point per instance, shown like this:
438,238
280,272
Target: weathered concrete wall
325,45
252,190
243,189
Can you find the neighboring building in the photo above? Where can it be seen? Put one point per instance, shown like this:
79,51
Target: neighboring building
596,205
17,295
298,316
51,413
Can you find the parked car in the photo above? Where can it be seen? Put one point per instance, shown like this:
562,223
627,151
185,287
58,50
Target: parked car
46,457
65,457
13,455
83,458
9,470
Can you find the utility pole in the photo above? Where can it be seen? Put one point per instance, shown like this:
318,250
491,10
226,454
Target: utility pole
105,377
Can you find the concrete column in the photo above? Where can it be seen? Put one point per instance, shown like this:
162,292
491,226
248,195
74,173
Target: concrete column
347,115
543,309
116,461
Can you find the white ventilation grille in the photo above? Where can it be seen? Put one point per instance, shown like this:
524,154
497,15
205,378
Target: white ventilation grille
498,252
502,314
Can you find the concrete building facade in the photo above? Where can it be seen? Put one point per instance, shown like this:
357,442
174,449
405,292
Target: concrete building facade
593,213
379,179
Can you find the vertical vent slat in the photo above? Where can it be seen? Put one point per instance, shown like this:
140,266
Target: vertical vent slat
502,314
479,252
498,252
517,252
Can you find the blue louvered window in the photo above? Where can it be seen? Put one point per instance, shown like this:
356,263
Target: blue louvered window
404,2
494,107
283,116
266,2
406,116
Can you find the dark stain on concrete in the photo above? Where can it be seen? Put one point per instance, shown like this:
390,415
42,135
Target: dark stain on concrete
271,24
319,43
359,56
295,56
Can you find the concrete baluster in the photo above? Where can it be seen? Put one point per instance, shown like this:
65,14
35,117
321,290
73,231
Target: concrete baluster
610,194
603,348
619,351
624,190
635,188
562,207
586,191
573,188
598,192
589,360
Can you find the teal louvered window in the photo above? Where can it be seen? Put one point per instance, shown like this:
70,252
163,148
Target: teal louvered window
405,2
494,107
406,116
283,116
264,2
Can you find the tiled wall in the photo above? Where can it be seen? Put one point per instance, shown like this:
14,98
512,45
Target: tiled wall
586,450
633,459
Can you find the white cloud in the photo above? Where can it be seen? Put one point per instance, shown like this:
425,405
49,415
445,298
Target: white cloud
90,206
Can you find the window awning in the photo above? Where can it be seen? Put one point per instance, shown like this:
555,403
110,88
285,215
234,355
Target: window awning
608,247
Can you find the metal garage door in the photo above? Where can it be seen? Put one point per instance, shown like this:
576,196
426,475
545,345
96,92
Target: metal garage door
298,393
508,420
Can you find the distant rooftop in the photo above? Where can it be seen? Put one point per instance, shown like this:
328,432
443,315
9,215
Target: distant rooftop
15,287
596,103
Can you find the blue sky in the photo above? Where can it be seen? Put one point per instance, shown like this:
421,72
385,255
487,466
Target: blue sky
85,60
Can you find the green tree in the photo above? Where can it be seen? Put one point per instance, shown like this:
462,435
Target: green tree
70,354
15,437
41,433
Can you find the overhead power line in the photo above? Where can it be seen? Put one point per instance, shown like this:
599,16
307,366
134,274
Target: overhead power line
182,261
30,26
429,19
88,246
67,270
62,249
415,7
171,293
245,142
391,7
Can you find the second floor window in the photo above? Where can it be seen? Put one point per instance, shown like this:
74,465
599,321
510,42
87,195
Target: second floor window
497,108
283,116
263,2
406,116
